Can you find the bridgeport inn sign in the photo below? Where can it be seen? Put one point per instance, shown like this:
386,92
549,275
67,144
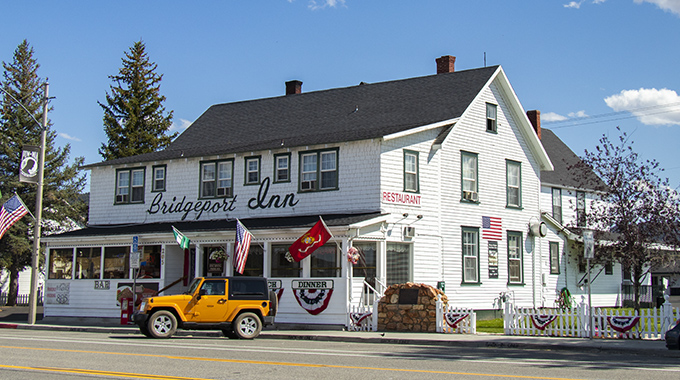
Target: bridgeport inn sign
407,191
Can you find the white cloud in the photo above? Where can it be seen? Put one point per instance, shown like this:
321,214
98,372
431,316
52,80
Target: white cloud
574,4
181,126
580,113
667,5
598,1
68,137
314,5
552,116
649,105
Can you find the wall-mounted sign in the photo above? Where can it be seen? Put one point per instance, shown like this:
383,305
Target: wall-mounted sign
313,295
493,259
102,285
401,198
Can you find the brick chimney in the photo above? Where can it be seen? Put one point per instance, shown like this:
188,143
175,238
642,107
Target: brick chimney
445,64
293,87
535,119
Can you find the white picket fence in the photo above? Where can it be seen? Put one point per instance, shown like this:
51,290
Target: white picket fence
456,320
575,322
449,319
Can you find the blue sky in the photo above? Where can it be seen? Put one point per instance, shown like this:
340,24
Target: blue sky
588,66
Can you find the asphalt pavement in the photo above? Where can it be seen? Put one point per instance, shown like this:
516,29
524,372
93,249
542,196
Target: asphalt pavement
17,318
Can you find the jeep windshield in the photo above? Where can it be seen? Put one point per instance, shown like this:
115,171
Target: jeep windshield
193,286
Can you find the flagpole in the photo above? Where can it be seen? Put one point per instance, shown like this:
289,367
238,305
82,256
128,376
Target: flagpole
33,302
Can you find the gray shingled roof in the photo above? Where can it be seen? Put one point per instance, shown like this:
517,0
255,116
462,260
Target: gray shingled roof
353,113
562,157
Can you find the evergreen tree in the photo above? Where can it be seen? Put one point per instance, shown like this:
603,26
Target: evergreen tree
135,120
63,184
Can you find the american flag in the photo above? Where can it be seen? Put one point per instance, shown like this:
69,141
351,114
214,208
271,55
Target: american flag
491,228
13,210
243,237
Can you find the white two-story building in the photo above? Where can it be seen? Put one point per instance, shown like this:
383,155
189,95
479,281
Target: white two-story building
434,180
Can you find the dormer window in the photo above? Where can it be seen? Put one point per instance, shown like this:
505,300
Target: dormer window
491,123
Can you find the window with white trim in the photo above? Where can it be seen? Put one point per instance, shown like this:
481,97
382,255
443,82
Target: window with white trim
158,178
399,263
557,204
580,209
411,172
217,179
554,257
469,177
514,183
470,255
130,186
319,170
491,111
515,258
282,167
252,170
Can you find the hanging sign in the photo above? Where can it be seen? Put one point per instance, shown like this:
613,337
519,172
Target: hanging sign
493,259
28,170
588,245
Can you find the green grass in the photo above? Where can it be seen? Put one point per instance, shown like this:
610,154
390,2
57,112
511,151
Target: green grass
494,326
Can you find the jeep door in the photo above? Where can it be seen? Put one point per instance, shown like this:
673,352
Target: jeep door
211,302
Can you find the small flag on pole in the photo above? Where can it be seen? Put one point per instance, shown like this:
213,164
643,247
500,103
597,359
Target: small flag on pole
182,240
317,236
491,228
243,237
13,210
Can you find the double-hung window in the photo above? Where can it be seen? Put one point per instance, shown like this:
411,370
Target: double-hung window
580,209
514,180
554,257
491,124
158,178
470,255
557,204
515,264
469,182
319,170
282,167
252,170
217,179
411,184
130,185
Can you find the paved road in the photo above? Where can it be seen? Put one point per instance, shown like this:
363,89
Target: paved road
36,354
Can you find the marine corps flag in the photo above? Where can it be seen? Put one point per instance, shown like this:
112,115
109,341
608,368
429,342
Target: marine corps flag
310,241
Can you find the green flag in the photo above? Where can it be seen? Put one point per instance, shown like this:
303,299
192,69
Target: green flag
182,240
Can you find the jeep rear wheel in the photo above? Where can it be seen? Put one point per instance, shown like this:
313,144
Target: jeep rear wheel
247,326
162,324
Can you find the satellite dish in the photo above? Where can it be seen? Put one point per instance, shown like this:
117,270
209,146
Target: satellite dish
538,229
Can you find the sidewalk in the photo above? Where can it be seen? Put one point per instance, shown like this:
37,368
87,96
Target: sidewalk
17,317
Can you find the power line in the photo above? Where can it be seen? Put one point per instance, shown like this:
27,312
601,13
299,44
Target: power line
634,112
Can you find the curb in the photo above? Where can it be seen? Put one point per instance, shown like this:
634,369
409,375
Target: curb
478,343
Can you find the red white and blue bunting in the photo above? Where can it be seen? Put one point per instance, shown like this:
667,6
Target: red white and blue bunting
313,295
358,318
453,319
623,324
542,321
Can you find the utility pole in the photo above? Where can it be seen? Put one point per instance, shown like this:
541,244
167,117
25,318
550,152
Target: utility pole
35,264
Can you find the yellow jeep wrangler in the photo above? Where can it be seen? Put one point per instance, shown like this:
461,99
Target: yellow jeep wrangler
239,306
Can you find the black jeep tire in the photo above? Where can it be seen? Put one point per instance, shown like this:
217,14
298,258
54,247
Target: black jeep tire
144,329
162,324
247,326
229,333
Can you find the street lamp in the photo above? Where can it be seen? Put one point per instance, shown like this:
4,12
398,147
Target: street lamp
33,302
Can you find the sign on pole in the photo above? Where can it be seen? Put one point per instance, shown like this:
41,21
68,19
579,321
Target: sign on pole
588,245
134,255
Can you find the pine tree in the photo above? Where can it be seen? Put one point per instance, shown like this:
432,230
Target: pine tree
63,184
135,120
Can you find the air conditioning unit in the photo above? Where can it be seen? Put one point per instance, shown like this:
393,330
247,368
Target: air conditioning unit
470,196
409,232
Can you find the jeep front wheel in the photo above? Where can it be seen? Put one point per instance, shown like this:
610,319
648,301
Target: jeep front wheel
162,324
247,326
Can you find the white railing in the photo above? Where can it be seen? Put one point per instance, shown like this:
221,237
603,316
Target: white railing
455,320
575,322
